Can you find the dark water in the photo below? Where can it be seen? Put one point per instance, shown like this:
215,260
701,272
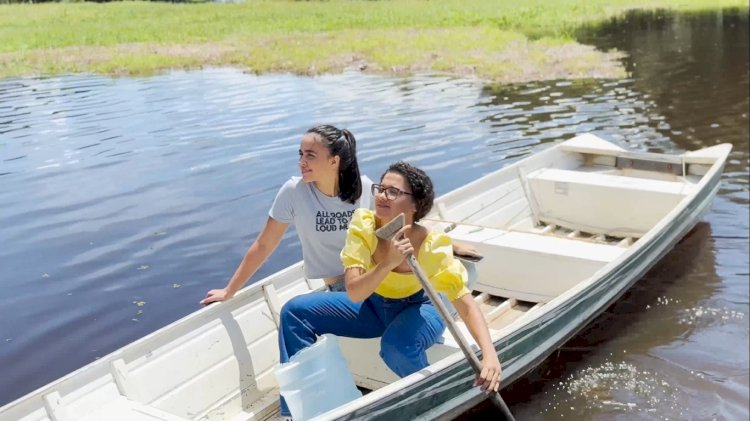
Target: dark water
123,200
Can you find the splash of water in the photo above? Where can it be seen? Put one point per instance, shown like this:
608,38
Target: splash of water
617,388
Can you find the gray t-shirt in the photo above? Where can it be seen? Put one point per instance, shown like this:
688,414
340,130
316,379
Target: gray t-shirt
321,223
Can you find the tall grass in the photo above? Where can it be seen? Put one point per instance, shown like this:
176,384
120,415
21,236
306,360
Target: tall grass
30,31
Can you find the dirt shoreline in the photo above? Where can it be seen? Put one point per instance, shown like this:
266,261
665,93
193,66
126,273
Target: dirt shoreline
516,62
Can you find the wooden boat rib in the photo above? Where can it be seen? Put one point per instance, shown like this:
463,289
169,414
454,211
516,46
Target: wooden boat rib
564,233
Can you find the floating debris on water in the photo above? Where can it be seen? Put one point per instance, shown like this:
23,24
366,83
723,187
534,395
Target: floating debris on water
698,314
665,301
702,314
139,303
620,404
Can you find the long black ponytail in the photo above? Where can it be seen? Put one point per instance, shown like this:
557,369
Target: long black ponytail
342,143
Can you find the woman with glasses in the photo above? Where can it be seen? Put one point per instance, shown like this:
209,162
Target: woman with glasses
383,297
319,203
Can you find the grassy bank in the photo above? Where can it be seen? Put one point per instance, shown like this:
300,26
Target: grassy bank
498,40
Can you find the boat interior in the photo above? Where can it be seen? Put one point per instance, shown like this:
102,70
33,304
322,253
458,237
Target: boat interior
542,227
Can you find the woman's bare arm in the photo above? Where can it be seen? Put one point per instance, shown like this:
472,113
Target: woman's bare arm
267,241
489,377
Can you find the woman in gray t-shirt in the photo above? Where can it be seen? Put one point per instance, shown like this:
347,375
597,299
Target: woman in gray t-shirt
319,203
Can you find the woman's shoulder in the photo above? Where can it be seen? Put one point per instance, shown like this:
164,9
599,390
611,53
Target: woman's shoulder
437,242
292,184
362,228
363,219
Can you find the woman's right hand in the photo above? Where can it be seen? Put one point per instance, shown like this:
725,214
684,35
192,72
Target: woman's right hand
399,248
216,295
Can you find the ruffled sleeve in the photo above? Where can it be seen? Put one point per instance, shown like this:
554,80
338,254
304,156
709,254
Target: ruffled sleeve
360,240
446,273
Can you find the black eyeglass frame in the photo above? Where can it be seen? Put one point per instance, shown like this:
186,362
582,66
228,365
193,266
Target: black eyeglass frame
391,193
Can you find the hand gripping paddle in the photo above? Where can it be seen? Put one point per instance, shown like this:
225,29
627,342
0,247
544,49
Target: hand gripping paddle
387,232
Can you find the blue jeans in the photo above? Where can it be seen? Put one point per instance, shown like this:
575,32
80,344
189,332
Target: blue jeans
407,326
338,286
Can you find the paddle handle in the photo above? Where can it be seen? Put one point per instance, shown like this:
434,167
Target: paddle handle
457,335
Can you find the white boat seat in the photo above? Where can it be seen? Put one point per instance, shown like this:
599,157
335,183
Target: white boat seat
602,203
124,409
118,409
532,267
590,144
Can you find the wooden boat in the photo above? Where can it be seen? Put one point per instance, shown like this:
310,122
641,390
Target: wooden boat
564,233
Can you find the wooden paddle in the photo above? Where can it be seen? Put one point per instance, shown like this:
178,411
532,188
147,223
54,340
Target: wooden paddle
387,232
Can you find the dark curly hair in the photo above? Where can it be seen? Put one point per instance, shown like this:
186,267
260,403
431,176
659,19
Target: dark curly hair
420,185
341,143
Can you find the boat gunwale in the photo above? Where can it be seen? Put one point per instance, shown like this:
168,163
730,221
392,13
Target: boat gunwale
101,366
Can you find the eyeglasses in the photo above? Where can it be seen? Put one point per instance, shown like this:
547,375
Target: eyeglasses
391,193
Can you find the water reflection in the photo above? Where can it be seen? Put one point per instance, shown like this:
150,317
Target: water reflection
544,112
693,67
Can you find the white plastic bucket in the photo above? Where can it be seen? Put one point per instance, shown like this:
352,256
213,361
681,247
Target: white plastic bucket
316,380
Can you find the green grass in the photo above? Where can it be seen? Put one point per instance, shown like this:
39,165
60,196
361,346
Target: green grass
301,37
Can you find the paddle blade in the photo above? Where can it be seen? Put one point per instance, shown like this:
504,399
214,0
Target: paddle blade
387,231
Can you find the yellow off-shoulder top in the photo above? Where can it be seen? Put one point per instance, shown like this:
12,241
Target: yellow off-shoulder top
435,256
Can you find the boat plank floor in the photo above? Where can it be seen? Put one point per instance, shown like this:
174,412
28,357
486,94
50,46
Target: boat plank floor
509,316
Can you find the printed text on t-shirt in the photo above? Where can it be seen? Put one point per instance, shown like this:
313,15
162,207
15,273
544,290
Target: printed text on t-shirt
332,221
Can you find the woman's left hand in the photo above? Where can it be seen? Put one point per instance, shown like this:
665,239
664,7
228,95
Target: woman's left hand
461,249
489,377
